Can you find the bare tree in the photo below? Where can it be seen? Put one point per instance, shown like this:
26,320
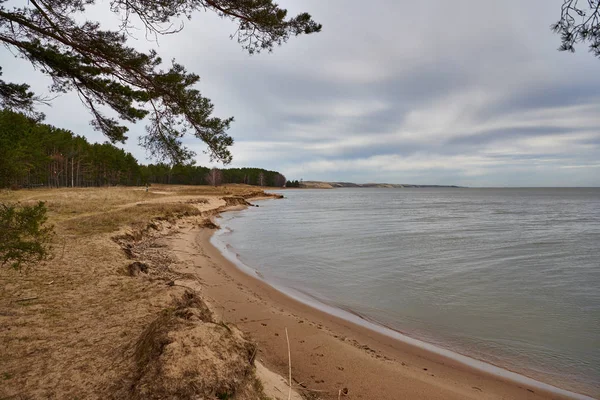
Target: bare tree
214,177
261,179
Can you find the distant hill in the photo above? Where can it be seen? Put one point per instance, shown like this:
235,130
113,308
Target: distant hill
333,185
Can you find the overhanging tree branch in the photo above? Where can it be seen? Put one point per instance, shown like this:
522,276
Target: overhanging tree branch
104,71
578,24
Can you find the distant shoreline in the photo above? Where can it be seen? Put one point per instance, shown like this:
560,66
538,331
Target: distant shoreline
335,185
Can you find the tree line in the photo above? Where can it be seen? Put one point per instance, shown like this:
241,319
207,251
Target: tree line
36,154
189,174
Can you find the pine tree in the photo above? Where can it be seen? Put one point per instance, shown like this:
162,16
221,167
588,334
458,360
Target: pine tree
579,23
105,72
24,237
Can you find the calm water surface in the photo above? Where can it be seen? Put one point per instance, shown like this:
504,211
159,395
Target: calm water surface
509,276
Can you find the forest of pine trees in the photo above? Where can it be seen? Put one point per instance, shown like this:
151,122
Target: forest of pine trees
36,154
195,175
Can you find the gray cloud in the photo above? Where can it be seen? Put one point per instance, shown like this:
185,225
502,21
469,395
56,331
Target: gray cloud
464,92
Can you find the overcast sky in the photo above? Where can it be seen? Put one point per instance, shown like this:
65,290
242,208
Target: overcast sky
466,92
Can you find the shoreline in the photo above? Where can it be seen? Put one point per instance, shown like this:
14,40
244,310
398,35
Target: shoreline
139,269
406,363
380,328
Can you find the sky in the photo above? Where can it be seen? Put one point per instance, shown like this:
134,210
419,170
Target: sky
467,92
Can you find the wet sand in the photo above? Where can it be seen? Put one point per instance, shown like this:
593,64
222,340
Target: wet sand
329,354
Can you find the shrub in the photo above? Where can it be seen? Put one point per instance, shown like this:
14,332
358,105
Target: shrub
24,238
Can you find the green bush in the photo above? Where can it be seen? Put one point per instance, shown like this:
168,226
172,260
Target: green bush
24,239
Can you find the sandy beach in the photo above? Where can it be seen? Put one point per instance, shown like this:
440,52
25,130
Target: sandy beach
299,200
137,303
329,354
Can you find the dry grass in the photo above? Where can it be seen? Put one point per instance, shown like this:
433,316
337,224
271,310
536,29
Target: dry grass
77,336
134,216
184,354
64,202
88,211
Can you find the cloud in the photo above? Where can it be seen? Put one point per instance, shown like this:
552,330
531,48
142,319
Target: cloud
463,92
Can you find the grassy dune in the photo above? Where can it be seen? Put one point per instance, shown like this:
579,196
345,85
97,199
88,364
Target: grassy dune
84,324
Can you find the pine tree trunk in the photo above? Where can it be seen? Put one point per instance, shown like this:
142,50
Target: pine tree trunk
78,175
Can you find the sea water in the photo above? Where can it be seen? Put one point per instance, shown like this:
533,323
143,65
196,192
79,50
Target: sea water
507,276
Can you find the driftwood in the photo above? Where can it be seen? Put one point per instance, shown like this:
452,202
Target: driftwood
289,362
27,299
253,357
